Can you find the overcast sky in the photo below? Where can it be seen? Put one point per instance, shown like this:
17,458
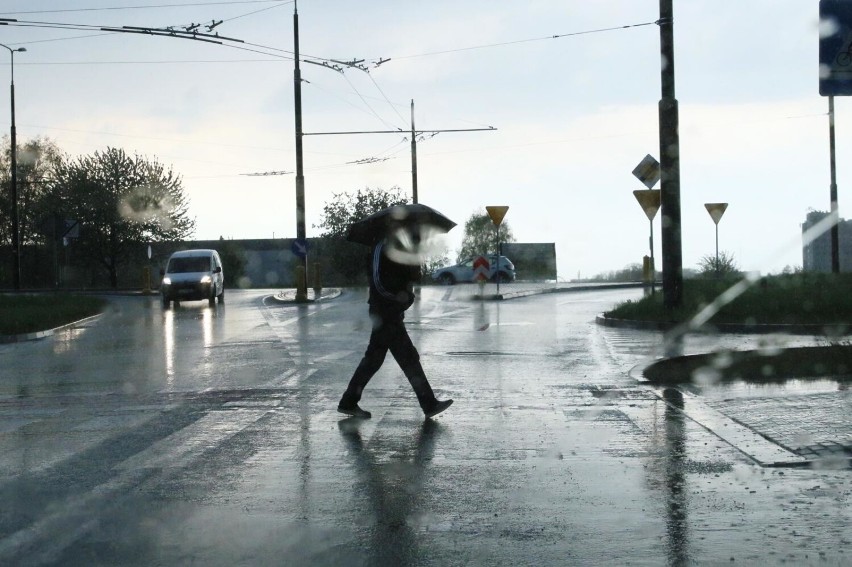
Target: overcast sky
574,114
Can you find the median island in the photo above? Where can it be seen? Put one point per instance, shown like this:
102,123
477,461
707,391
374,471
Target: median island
816,304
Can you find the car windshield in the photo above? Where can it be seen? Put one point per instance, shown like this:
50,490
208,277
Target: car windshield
628,258
189,264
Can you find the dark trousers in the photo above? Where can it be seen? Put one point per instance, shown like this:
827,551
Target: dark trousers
389,334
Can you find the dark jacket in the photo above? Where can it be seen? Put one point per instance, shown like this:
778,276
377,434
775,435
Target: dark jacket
391,283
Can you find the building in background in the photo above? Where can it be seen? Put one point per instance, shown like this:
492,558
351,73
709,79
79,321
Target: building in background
816,256
533,262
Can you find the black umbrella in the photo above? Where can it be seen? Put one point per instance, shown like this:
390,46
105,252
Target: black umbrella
373,228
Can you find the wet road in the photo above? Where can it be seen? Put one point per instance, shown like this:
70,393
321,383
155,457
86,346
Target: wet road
209,436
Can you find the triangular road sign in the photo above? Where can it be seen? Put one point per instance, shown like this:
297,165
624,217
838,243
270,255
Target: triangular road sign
497,214
649,200
716,210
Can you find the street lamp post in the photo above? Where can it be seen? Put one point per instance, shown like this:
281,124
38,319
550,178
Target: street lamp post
16,236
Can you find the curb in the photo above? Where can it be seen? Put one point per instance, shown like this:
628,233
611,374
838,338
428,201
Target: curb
289,296
546,290
23,337
830,330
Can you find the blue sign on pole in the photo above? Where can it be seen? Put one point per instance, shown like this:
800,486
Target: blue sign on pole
299,247
835,47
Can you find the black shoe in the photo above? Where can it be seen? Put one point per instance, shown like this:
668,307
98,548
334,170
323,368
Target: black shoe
354,411
438,408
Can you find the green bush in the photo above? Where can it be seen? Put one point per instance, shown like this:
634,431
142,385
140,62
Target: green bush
805,298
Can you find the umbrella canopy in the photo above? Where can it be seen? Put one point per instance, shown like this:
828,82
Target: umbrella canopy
373,228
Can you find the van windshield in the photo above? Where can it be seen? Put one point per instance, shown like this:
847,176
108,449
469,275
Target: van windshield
189,264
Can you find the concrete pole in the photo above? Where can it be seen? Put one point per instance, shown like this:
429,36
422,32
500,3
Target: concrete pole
302,266
413,157
670,165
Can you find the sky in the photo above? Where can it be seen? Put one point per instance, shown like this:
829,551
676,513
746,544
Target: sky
570,86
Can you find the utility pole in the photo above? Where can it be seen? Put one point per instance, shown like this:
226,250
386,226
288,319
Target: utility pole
414,134
413,157
301,274
670,165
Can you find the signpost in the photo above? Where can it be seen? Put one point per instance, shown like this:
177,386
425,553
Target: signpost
299,247
648,172
480,269
835,79
497,213
716,211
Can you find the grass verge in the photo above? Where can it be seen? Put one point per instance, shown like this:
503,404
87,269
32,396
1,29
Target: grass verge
798,299
34,313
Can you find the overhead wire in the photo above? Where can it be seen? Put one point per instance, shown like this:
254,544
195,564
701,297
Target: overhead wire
382,120
515,42
276,53
146,7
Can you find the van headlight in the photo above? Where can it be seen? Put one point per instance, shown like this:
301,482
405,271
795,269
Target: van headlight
206,279
167,281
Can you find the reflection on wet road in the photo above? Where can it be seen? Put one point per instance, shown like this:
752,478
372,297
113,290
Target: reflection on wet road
209,435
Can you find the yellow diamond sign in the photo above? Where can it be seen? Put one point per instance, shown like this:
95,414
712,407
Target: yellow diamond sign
497,214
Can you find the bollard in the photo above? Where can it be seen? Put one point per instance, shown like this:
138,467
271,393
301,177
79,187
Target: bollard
301,284
146,280
647,275
317,281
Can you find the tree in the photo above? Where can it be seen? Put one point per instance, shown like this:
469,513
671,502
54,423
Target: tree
480,236
36,160
725,266
121,204
346,208
347,258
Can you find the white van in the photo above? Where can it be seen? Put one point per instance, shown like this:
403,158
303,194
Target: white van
193,275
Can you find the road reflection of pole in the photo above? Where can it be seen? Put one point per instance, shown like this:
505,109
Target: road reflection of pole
392,491
304,398
169,346
675,457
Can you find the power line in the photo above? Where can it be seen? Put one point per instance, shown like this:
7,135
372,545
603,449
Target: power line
514,42
184,34
148,7
382,120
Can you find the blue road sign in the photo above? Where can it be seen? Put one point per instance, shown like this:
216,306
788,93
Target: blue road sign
835,47
299,247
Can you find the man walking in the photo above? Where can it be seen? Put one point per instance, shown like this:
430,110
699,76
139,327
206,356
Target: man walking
391,293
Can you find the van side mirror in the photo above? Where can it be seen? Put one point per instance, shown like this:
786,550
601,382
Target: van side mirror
162,272
217,270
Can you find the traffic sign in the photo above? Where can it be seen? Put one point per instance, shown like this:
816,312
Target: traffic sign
648,171
481,267
497,214
716,210
299,247
835,47
649,200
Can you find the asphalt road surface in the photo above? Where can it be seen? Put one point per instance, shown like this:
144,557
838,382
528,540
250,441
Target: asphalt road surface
209,436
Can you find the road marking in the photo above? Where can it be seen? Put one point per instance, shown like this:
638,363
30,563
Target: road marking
190,443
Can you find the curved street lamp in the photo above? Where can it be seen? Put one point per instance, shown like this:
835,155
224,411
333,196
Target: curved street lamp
16,237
